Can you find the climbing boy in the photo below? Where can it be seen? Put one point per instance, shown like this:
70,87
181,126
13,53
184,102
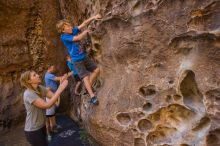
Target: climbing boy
86,68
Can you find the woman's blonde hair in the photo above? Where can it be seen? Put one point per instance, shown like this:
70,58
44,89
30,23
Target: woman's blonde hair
60,25
25,77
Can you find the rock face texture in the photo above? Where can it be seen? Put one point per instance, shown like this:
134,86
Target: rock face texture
160,62
160,69
28,40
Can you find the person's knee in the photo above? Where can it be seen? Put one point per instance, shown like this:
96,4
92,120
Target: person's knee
97,70
86,80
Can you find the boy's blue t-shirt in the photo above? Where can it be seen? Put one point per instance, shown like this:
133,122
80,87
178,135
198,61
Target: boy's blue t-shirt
75,50
50,81
72,68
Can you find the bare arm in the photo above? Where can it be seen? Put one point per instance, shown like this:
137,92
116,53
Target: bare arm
81,36
86,22
40,103
58,101
57,78
69,74
64,77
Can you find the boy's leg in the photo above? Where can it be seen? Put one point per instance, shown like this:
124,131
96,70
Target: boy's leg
77,87
48,126
84,75
88,86
92,68
84,68
54,121
78,83
51,123
94,75
48,129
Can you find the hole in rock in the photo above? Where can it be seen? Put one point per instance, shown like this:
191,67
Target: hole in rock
135,130
176,97
170,81
161,134
204,122
188,88
141,114
154,117
123,118
147,90
173,114
144,125
147,107
213,138
139,142
168,98
97,46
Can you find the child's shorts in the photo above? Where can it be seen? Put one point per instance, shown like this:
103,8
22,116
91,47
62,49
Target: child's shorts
84,67
77,78
48,116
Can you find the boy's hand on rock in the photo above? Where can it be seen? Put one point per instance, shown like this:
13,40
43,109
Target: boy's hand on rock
90,29
98,16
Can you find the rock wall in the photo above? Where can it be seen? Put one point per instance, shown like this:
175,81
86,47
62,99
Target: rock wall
28,40
160,69
159,59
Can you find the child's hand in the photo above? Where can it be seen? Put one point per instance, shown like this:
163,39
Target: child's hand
64,77
91,29
63,85
98,16
94,49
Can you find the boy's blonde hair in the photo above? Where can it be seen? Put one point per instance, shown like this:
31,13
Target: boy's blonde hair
60,25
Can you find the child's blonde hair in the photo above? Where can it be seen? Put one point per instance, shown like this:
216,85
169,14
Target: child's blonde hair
60,25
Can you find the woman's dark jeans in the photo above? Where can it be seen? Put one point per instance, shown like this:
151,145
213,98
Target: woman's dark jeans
37,138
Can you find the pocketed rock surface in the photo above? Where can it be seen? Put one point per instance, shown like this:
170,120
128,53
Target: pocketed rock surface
159,60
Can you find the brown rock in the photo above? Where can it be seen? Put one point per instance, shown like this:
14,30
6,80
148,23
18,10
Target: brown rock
160,65
159,59
28,40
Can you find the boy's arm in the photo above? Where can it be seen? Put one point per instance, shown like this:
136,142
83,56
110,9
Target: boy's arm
80,36
53,77
57,78
69,73
86,22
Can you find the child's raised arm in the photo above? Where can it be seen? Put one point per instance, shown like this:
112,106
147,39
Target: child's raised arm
86,22
81,36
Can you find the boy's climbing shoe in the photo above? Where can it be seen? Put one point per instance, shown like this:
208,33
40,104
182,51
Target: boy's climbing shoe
94,100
